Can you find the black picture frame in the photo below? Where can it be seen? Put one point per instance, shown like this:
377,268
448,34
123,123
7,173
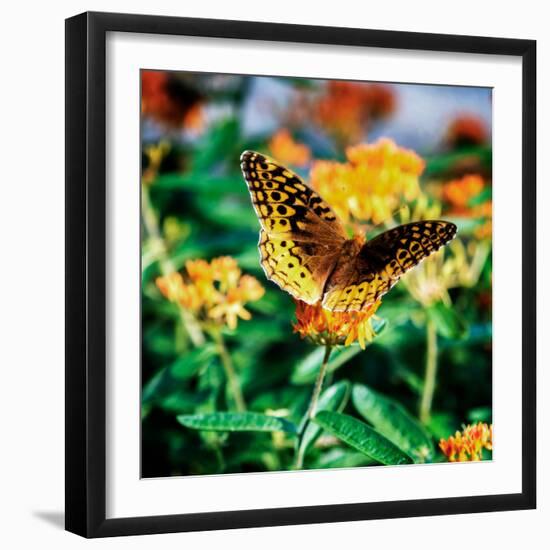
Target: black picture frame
86,274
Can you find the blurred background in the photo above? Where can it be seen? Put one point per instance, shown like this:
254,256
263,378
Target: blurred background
431,347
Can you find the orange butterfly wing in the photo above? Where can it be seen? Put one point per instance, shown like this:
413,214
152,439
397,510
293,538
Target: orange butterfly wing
300,237
379,264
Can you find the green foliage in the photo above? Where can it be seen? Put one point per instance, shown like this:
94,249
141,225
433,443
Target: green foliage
306,370
447,321
332,399
444,164
339,457
392,420
361,437
236,422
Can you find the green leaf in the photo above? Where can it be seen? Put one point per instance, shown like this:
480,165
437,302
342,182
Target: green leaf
217,144
482,197
167,380
362,437
413,381
203,183
342,458
442,424
394,422
236,422
443,163
332,399
480,414
230,211
448,323
306,370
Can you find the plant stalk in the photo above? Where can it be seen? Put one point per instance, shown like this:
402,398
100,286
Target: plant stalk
312,409
150,222
230,373
430,373
318,384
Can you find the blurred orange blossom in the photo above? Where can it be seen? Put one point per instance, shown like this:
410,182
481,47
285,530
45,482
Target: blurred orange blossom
288,151
371,184
466,129
169,101
214,291
347,107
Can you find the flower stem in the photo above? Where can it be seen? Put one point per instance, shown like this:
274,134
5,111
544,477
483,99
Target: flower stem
151,225
232,378
319,384
430,373
312,409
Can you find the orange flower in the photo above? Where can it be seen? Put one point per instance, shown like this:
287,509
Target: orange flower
214,291
347,107
466,130
287,151
250,289
225,270
459,192
174,289
372,184
326,327
170,100
467,445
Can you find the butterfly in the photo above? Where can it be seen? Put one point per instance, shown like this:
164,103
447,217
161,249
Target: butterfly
305,250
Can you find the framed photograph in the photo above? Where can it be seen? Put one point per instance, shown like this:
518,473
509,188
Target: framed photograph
300,274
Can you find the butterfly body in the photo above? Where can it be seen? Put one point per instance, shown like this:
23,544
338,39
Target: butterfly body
306,251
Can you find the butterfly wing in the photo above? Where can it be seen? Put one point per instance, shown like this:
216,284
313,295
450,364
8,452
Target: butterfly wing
300,268
301,237
382,261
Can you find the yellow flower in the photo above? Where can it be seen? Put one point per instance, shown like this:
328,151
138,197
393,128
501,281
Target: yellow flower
326,327
468,445
174,289
229,310
225,270
247,289
372,184
250,289
213,291
199,270
287,151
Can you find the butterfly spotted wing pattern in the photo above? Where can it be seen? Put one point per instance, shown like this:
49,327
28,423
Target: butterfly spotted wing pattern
380,263
301,238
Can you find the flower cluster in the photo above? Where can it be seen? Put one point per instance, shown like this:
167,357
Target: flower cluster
461,194
325,327
170,101
373,182
213,291
468,445
287,151
466,129
346,108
